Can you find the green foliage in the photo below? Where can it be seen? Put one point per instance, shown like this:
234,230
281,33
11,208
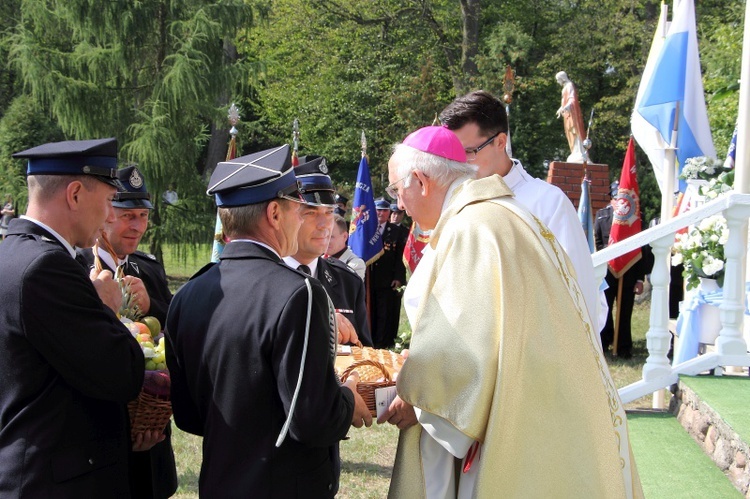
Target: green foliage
156,75
23,125
159,76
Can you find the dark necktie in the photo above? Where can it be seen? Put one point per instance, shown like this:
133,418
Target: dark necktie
305,269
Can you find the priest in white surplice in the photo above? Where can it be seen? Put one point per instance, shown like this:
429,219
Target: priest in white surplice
505,409
481,124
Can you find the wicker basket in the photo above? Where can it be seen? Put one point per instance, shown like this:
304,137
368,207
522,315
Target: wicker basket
149,413
372,375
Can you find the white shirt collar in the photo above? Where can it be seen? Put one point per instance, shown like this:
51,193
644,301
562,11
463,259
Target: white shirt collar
52,231
292,262
514,175
109,259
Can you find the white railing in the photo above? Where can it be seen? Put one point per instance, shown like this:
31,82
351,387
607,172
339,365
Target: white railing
731,349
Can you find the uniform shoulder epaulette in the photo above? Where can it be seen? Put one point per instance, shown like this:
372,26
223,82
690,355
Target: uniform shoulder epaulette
332,260
145,255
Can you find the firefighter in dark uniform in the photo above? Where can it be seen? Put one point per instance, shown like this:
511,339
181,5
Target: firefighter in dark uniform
152,472
632,285
68,366
132,206
251,348
387,275
343,285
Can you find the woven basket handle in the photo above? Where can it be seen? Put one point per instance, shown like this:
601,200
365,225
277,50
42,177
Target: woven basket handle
366,362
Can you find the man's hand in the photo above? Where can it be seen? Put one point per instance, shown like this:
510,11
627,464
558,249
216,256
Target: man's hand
395,284
361,415
147,439
400,414
347,334
107,288
638,288
139,293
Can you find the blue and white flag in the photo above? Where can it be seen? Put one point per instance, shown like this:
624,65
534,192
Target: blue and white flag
585,214
731,153
364,238
647,136
676,79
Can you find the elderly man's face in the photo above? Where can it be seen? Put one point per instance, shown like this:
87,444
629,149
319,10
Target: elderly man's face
421,202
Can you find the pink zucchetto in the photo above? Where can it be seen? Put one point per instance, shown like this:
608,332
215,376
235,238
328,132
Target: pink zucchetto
437,140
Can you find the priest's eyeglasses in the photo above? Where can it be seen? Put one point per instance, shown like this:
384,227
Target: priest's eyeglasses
391,189
471,152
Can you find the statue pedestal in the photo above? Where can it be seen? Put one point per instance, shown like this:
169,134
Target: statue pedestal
568,177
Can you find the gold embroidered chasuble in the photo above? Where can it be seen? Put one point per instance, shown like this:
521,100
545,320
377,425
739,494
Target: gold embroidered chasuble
503,350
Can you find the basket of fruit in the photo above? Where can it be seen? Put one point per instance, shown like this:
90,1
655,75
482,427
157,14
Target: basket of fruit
152,409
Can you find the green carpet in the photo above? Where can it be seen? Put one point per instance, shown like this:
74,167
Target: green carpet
671,464
728,396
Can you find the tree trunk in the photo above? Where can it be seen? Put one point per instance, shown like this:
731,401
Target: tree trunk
218,143
470,10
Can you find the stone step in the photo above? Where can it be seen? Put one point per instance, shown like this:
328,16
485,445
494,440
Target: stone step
714,412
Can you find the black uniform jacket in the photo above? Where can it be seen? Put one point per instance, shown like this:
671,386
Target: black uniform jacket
390,266
150,271
236,335
347,292
67,369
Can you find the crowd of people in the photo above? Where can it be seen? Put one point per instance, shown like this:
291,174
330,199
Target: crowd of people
505,367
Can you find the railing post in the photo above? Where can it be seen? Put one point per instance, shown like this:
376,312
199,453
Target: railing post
658,336
731,340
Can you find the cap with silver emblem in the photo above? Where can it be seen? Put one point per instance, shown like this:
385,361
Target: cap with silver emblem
132,193
315,185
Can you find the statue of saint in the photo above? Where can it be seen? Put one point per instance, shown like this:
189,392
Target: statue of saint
570,110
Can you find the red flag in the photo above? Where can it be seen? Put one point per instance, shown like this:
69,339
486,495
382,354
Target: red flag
626,219
414,246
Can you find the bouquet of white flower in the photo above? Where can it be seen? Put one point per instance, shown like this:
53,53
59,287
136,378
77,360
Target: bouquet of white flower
702,168
701,251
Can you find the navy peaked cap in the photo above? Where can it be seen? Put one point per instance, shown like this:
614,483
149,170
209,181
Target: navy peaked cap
254,178
132,192
315,185
74,157
382,204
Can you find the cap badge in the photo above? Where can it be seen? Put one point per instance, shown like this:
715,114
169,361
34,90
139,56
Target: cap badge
136,181
323,167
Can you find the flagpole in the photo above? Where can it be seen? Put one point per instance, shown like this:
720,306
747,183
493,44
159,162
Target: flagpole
233,115
742,156
368,277
617,316
667,195
509,85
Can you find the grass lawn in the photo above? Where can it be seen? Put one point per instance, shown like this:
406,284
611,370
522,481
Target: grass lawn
369,453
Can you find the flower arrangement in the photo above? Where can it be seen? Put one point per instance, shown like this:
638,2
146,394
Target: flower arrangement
702,168
701,251
718,186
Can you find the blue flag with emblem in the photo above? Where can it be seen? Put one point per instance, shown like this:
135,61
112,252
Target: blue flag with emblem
585,213
364,238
